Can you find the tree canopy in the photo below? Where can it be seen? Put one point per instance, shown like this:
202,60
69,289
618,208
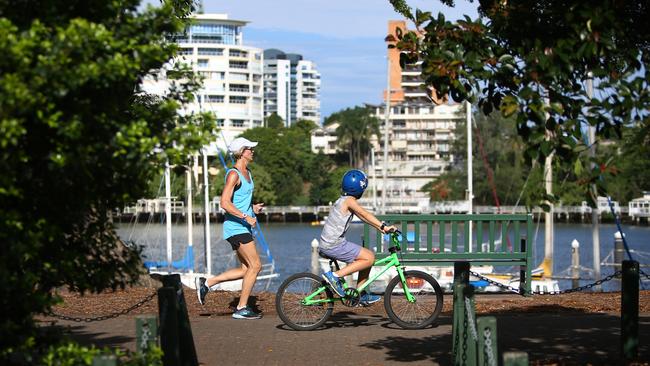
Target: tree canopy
531,60
80,138
356,126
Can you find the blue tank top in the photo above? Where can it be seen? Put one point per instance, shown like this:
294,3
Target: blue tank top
242,198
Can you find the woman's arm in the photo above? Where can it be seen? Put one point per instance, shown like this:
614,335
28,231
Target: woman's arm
367,217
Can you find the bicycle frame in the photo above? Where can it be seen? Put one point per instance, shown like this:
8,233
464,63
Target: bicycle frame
388,262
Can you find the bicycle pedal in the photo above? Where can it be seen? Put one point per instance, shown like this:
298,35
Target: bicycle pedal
352,297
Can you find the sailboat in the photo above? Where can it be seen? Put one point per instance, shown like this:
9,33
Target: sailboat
185,266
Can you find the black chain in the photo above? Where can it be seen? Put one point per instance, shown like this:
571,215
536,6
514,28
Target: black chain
104,317
567,291
647,277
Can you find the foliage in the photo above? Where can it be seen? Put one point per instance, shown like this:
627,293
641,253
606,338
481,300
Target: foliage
326,187
285,155
274,121
356,126
80,138
73,354
529,59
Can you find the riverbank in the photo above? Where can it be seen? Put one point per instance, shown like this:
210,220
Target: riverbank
570,329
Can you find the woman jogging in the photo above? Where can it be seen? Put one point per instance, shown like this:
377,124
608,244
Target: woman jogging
237,201
333,243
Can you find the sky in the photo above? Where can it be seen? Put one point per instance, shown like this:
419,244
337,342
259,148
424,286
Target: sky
345,38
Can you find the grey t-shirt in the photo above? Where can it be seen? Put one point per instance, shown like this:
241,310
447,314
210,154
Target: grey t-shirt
336,226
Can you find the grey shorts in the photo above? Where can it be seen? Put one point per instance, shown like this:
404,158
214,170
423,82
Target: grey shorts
346,252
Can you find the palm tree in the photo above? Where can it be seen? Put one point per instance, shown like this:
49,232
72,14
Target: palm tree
356,127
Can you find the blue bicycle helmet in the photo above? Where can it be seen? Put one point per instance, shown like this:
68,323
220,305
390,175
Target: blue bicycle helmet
354,183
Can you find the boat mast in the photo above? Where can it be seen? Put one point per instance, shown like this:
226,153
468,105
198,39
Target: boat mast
168,214
190,218
206,227
470,186
386,121
549,232
595,225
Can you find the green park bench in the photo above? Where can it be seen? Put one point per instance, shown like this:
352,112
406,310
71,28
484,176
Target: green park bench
496,239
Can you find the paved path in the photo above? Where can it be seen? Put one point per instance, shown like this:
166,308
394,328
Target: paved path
351,339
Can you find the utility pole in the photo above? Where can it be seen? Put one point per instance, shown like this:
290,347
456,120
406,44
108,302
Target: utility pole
595,225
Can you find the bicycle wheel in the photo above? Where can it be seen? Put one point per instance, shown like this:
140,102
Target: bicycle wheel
292,311
426,307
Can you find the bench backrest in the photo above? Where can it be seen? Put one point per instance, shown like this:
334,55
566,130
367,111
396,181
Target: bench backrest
494,239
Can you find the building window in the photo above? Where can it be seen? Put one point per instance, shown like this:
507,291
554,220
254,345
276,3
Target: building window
214,98
220,123
210,51
186,51
238,88
237,123
238,53
202,63
237,99
238,64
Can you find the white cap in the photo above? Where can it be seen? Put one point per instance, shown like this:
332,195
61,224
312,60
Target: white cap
240,142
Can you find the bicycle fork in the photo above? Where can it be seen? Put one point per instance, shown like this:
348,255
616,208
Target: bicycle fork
405,287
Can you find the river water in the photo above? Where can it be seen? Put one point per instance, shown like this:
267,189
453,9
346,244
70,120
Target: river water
290,246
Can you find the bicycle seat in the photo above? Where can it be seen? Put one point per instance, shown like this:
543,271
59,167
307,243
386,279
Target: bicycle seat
326,256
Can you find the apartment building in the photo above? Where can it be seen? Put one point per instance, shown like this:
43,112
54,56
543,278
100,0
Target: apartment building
420,133
291,87
233,85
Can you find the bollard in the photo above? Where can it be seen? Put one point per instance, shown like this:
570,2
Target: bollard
630,310
168,310
105,360
461,277
575,263
487,341
464,334
515,359
619,249
461,273
315,267
146,332
187,351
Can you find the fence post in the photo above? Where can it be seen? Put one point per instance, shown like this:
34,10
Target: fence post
461,276
630,310
515,359
168,309
488,354
146,332
187,351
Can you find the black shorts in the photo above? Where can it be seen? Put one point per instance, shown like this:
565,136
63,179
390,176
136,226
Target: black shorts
236,240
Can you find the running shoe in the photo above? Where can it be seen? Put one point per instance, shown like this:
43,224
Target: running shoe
334,282
246,313
201,289
367,299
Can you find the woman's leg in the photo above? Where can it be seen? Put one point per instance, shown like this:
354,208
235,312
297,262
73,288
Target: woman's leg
361,264
229,275
250,260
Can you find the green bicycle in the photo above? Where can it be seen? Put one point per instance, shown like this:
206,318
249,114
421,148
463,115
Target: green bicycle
413,299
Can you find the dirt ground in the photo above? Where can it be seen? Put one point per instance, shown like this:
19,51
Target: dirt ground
221,303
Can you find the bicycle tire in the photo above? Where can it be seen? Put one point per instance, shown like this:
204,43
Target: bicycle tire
428,300
288,302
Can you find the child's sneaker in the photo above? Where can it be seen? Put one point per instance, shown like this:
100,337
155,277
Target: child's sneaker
246,313
334,282
367,299
201,289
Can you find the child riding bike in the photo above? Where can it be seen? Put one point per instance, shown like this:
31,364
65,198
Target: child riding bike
333,244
